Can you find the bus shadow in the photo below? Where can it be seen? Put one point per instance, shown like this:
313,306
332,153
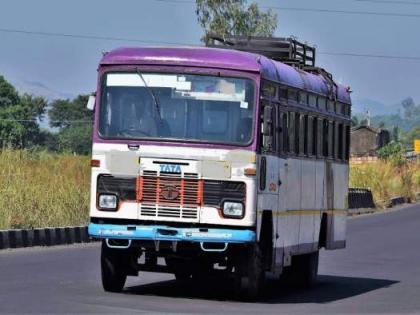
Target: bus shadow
328,289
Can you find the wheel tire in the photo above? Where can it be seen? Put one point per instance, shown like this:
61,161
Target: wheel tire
113,268
251,278
304,270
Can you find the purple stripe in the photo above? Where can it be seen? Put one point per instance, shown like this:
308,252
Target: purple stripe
224,59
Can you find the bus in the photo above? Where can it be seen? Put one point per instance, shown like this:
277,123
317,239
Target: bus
213,161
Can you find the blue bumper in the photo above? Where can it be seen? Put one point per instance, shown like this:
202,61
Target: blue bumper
165,233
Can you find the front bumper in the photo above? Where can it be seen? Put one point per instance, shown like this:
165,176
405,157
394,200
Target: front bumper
166,233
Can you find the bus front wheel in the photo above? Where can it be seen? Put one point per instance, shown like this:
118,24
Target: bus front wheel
251,275
113,268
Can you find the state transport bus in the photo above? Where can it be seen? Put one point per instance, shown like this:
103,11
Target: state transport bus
218,160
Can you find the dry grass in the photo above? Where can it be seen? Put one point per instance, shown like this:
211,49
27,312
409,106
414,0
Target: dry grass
41,189
387,179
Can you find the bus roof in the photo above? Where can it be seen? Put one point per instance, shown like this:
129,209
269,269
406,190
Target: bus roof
224,59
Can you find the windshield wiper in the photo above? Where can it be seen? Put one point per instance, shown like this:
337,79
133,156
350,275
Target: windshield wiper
152,94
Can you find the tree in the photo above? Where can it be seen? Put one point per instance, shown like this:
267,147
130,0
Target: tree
396,134
354,121
410,136
74,121
19,117
234,17
409,106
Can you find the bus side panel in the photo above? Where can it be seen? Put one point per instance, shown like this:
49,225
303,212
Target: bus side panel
320,186
307,240
340,205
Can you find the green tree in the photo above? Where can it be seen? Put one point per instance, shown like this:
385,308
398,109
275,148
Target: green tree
410,136
74,122
396,134
234,17
19,117
354,121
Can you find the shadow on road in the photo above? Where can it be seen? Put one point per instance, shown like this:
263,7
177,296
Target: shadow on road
328,289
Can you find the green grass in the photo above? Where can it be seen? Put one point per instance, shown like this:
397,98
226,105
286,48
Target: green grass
40,189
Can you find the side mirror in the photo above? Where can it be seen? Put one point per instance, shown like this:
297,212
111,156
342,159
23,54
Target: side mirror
91,102
267,128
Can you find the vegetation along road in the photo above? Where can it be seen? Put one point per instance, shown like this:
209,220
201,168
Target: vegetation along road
377,273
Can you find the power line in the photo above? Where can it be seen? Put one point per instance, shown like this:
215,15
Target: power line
331,11
369,55
371,13
81,36
145,41
390,2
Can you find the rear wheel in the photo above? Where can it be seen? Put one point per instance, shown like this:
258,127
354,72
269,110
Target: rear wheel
113,268
304,270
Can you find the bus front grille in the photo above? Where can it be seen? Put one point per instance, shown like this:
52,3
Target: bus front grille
169,195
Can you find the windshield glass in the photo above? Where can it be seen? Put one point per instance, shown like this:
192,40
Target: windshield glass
181,107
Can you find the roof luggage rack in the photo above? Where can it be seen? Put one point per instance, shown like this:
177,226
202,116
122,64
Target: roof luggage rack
286,50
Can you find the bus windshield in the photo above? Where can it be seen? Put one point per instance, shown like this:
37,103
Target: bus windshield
183,107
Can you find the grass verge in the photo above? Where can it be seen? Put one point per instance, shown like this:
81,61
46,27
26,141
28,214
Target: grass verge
40,189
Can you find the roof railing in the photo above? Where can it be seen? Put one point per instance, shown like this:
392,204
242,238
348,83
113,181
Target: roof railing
286,50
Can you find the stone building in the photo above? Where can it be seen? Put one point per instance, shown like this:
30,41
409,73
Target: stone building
366,140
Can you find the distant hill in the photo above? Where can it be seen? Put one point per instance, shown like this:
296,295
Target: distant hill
360,106
40,89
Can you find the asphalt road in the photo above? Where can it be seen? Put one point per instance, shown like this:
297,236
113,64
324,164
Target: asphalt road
379,272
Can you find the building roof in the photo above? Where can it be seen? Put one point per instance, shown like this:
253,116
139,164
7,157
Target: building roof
224,59
370,128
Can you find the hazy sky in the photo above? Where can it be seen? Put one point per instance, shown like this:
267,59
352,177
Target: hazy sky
67,66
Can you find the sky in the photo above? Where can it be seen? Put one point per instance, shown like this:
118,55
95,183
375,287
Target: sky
66,66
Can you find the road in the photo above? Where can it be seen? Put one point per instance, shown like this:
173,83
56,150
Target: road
379,272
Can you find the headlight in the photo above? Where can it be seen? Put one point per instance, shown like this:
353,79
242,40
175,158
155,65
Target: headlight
108,202
233,209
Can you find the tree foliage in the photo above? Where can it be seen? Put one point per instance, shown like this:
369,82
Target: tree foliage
19,116
234,17
74,121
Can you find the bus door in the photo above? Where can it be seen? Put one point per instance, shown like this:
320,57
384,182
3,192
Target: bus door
268,184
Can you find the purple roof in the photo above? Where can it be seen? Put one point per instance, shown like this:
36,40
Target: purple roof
225,59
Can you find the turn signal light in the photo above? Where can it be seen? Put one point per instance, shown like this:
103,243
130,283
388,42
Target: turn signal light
95,163
250,171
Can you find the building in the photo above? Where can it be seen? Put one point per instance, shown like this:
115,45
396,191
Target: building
366,140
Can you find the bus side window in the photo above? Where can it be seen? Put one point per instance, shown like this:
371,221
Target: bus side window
291,132
320,138
285,133
282,133
347,143
331,139
309,135
336,140
315,139
297,133
340,139
304,131
324,138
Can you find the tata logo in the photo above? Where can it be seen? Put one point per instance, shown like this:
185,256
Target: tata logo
170,168
169,192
